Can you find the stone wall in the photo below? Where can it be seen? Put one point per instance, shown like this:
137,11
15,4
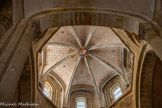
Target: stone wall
146,80
107,90
158,12
126,102
157,88
42,101
131,6
25,83
25,91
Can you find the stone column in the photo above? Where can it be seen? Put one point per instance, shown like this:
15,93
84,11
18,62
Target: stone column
147,33
12,59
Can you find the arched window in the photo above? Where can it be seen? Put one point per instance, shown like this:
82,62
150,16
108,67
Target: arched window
47,90
81,102
116,92
113,90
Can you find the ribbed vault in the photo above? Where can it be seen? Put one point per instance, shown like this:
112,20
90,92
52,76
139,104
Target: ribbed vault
65,56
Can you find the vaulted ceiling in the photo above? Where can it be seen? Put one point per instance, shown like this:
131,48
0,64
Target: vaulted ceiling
83,55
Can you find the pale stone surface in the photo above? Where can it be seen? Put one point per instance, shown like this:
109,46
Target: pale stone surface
132,6
125,15
12,73
101,36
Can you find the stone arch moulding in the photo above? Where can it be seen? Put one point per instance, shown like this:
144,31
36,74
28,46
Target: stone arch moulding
146,81
106,80
86,94
115,80
90,16
147,65
84,87
57,91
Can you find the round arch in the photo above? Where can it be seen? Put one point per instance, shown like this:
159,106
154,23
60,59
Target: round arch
56,92
66,17
90,16
149,85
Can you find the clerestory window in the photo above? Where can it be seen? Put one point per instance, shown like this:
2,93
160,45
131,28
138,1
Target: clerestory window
47,90
80,102
117,92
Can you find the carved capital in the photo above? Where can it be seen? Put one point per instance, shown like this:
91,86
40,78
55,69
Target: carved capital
5,21
143,29
36,26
